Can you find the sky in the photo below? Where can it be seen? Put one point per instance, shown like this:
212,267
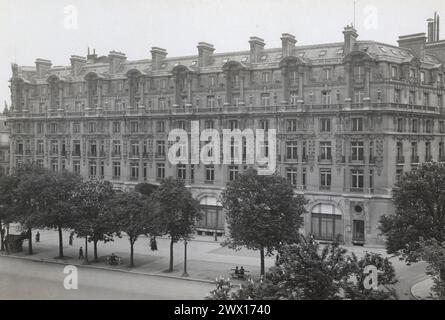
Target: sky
57,29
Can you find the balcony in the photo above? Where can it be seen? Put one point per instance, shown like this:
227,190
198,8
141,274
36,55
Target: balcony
414,159
400,159
160,156
325,188
304,159
356,159
325,159
75,153
134,155
116,154
428,158
92,154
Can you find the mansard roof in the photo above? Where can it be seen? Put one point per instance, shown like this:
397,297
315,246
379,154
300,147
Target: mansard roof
320,54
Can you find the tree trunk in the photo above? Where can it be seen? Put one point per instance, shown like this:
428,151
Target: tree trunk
60,242
2,244
96,259
86,249
131,253
30,241
442,275
262,261
171,256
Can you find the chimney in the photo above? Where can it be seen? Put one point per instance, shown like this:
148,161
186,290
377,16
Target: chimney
431,26
77,63
115,59
42,67
157,56
91,57
414,42
205,52
256,49
350,35
288,44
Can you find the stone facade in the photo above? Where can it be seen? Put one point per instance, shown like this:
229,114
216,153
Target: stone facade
350,117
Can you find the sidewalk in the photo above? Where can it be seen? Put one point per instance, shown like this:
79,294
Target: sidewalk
206,258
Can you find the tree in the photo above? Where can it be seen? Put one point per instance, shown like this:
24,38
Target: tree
304,271
58,213
262,213
177,211
145,188
433,252
419,199
30,198
92,219
8,184
133,214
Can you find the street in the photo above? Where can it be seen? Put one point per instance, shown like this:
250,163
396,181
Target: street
24,279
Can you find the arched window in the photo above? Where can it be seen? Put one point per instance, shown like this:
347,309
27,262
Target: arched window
326,222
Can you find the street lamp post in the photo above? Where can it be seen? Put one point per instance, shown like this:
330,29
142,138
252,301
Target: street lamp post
185,274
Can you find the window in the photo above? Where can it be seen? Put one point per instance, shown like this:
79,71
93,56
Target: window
399,148
293,98
264,124
293,77
371,180
54,147
163,83
441,126
208,124
93,148
400,124
210,173
291,125
92,127
134,126
303,178
160,148
428,155
40,127
291,175
265,100
326,222
162,104
358,96
412,73
212,81
40,148
441,151
326,74
325,125
181,171
415,126
357,151
357,179
357,124
233,173
358,73
422,76
92,168
397,95
180,124
134,148
116,170
54,165
76,167
325,151
266,77
116,127
428,126
160,170
439,100
116,148
292,150
325,179
325,98
160,126
394,72
233,124
412,97
426,98
211,102
134,171
414,156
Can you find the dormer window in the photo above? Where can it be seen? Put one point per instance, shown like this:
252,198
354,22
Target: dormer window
263,58
383,49
412,73
340,52
322,53
244,59
422,76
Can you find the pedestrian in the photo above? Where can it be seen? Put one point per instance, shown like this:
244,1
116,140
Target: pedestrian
81,253
38,236
153,244
70,241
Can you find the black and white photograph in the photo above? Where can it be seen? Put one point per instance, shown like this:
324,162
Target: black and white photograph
222,154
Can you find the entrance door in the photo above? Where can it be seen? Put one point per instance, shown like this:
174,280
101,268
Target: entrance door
358,231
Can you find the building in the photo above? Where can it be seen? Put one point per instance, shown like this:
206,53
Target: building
350,118
4,146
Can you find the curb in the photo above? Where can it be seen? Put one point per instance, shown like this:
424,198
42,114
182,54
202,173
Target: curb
105,268
411,289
